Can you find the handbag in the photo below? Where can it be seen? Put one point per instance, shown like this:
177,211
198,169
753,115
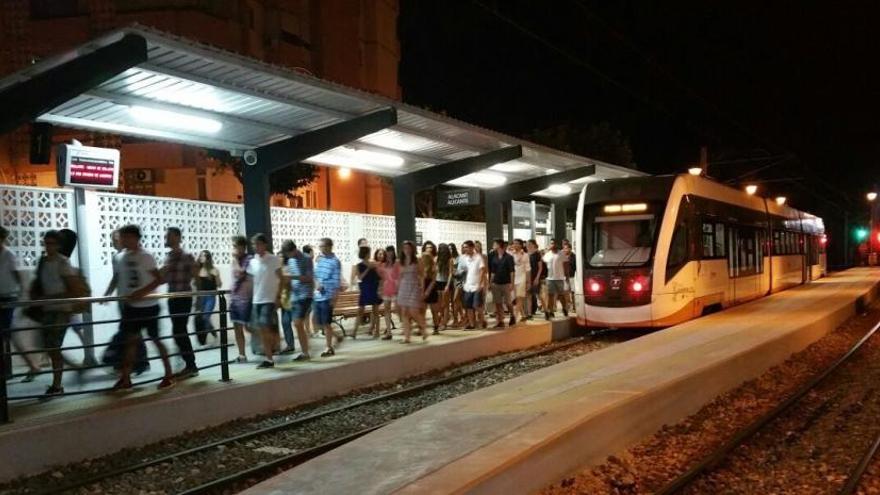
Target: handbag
78,287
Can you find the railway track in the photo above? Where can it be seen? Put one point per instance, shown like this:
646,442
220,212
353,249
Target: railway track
717,456
225,481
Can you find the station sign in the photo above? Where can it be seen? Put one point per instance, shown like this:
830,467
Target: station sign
87,167
458,197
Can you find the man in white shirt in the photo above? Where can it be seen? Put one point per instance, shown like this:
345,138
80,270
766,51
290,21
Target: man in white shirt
557,267
266,270
137,276
474,284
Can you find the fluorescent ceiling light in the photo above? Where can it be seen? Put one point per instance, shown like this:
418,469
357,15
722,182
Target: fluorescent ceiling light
345,156
584,180
512,166
480,179
164,118
561,189
395,140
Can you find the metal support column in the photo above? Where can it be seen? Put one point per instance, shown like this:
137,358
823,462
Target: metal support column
290,152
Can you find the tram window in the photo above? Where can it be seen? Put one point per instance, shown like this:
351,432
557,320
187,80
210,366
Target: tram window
720,240
678,247
708,240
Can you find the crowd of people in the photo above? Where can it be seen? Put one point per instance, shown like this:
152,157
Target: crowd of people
459,286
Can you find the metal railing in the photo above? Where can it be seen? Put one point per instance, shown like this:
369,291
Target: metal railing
6,353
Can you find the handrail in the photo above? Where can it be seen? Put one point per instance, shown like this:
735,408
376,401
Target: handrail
102,299
222,311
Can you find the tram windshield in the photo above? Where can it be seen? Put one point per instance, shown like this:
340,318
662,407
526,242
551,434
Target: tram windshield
622,240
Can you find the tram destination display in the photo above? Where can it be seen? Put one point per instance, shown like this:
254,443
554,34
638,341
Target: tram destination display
88,167
458,197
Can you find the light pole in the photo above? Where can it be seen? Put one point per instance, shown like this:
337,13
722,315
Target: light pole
871,197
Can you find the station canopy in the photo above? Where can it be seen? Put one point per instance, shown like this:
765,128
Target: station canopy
195,94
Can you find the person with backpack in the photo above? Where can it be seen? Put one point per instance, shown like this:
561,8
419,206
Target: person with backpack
53,280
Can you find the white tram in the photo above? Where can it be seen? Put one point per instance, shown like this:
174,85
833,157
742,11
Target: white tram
657,251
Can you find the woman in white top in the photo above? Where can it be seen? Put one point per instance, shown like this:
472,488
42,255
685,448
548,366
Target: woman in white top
521,278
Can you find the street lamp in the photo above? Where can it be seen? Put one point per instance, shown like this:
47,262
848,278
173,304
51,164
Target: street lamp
871,197
751,189
695,171
780,200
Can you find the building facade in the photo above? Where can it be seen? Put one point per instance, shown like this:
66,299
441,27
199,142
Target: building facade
353,42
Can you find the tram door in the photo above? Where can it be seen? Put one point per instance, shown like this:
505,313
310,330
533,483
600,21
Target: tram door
745,262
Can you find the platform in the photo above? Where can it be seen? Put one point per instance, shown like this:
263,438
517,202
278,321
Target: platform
63,430
520,435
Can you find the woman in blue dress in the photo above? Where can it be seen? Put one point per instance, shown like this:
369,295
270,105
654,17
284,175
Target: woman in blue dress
368,284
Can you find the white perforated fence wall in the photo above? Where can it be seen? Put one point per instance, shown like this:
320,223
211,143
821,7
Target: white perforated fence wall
205,225
28,212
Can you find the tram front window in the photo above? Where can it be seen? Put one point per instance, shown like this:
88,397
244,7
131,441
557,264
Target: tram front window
622,241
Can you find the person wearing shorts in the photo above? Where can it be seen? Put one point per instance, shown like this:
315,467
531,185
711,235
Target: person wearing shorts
301,271
328,275
474,283
137,276
555,262
501,273
265,269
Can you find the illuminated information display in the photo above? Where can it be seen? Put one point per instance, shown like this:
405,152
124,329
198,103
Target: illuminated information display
88,167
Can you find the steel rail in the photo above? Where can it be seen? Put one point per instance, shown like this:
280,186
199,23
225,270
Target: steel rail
301,421
713,459
855,476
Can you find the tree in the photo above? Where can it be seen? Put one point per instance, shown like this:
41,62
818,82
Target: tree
283,181
600,141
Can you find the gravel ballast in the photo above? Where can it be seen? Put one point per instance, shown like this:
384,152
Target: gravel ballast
808,450
190,471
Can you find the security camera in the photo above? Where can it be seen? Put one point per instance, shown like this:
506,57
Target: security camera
250,157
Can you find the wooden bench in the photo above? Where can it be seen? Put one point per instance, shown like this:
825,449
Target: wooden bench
347,307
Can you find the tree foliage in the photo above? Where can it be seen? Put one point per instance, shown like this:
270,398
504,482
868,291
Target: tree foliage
600,141
283,181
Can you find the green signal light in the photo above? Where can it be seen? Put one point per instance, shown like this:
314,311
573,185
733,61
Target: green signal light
861,234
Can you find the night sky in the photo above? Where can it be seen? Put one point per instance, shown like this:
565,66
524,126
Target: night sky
798,80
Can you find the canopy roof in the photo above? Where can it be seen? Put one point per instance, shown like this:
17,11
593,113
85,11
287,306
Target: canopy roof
195,94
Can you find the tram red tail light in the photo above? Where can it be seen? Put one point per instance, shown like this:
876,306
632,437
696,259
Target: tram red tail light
594,286
639,285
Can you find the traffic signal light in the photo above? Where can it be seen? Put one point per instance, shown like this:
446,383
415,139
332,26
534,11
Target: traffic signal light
861,234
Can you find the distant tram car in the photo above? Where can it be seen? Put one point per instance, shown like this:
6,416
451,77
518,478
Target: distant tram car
658,251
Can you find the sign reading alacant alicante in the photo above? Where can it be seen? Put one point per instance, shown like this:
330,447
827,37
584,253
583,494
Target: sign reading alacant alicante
458,197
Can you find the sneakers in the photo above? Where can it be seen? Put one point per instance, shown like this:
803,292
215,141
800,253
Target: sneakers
266,364
387,336
469,327
166,382
241,359
187,372
288,350
302,357
29,377
328,352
